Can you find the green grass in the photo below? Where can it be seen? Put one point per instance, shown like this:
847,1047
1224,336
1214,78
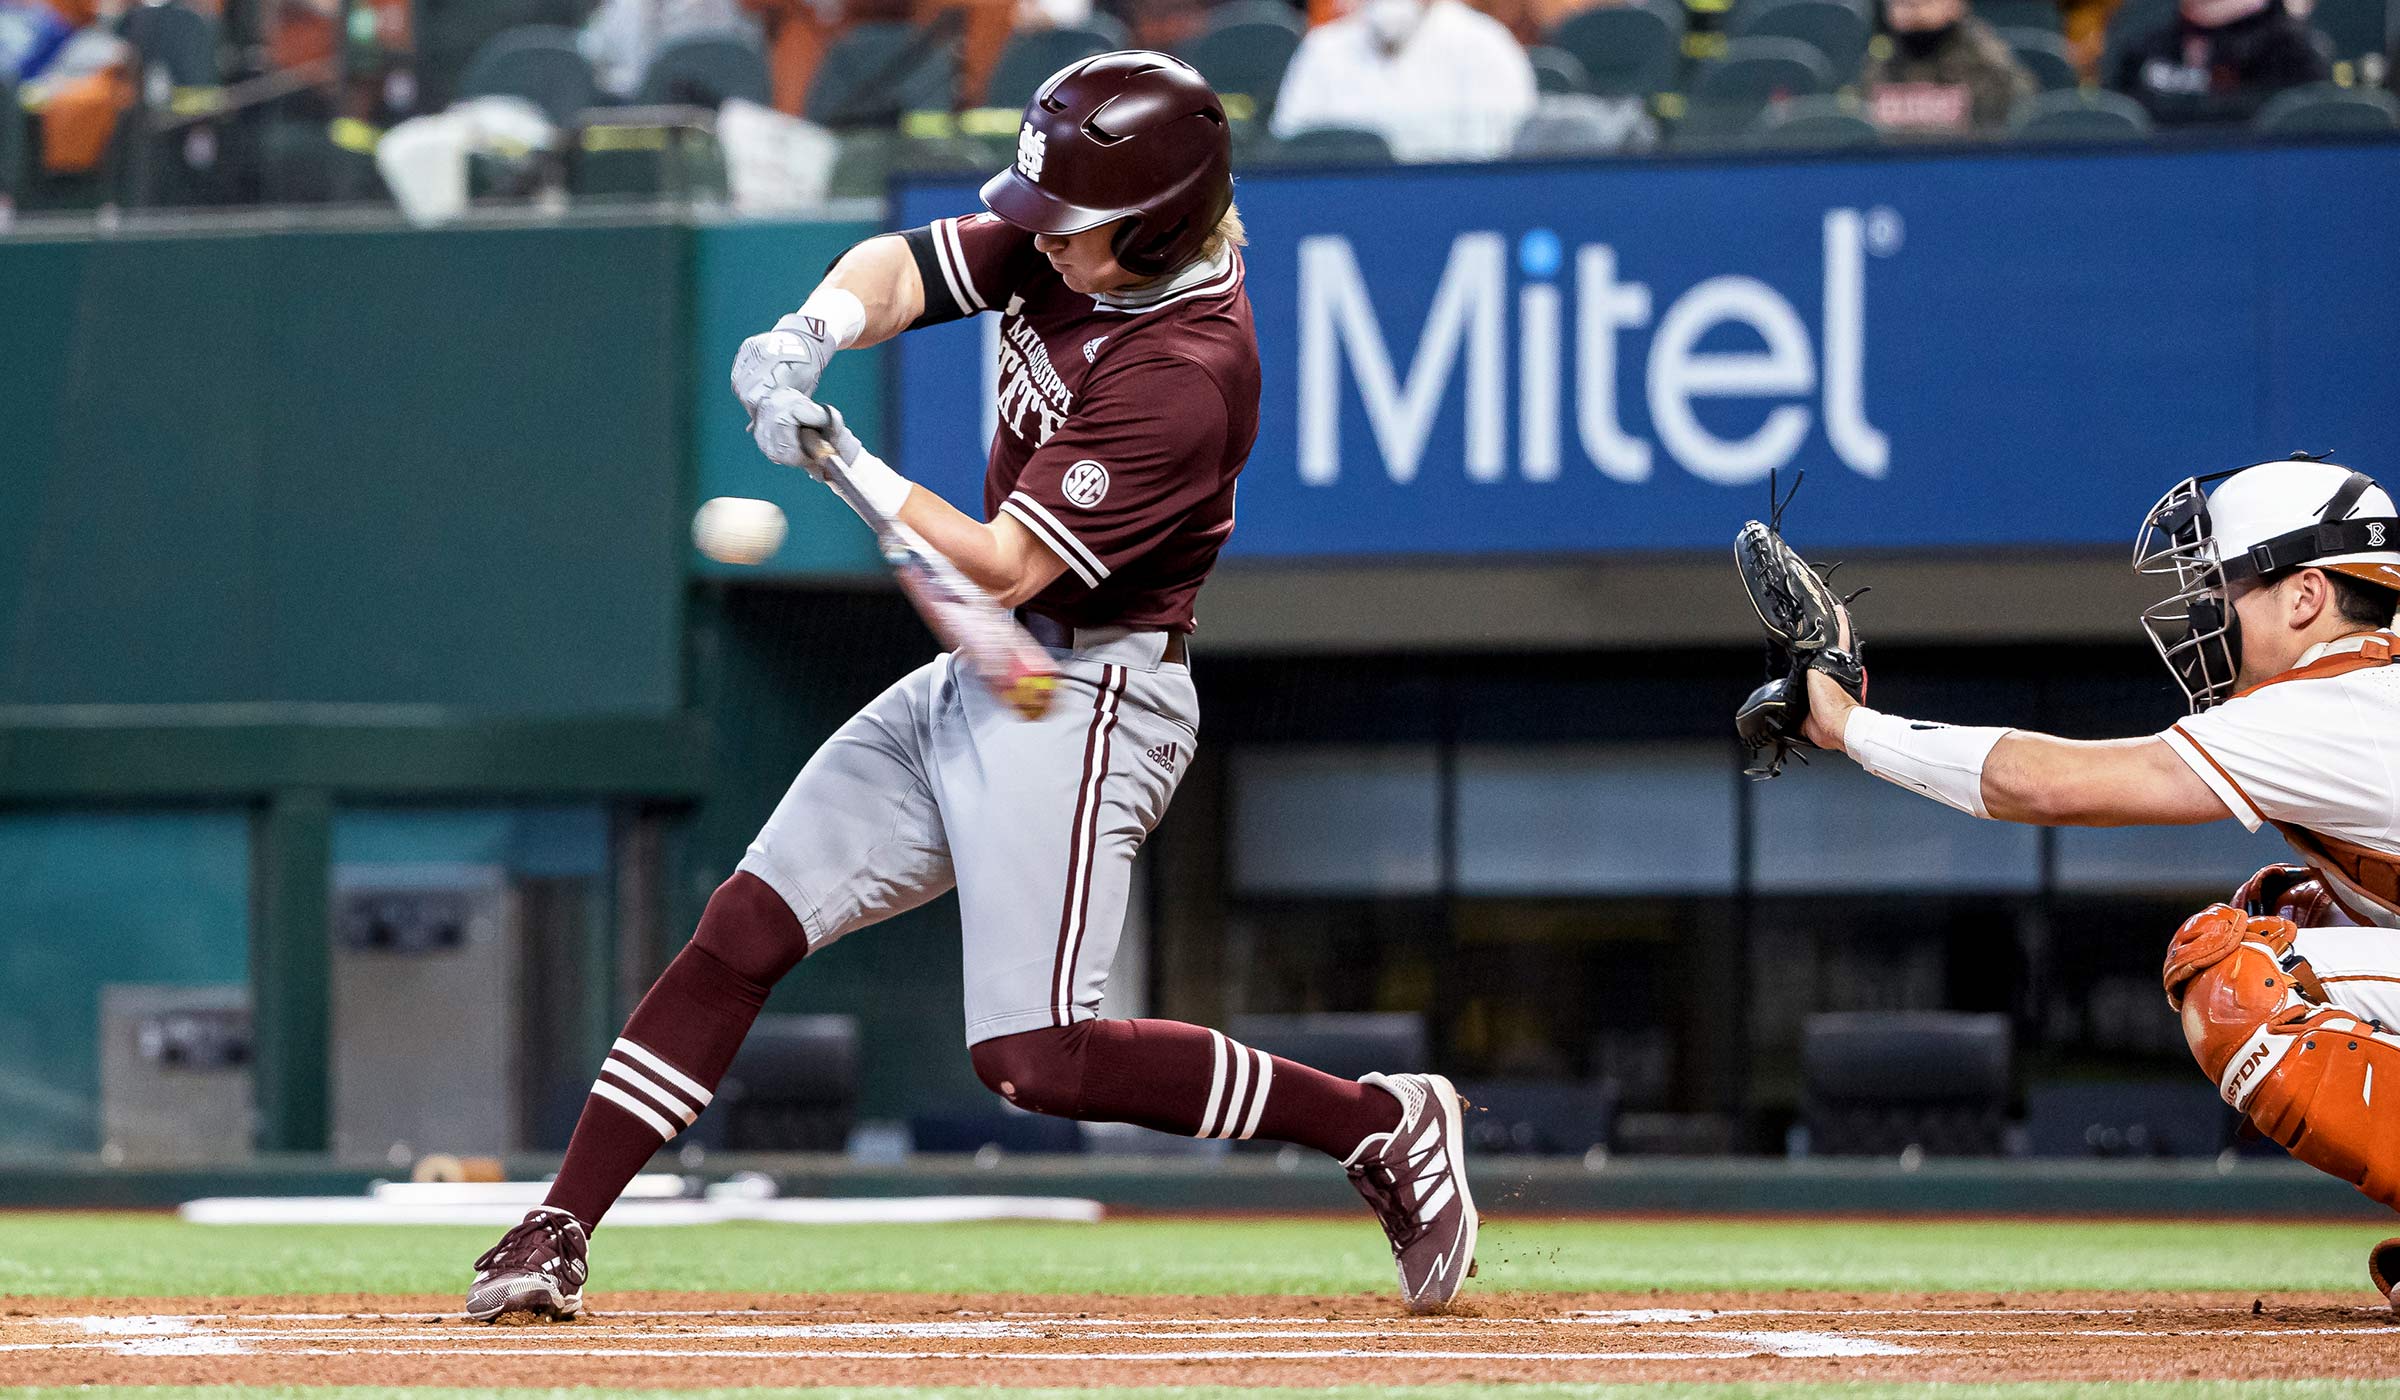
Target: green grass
2156,1390
99,1255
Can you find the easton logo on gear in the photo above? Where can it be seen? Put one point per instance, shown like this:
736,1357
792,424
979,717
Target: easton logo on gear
1031,146
1085,483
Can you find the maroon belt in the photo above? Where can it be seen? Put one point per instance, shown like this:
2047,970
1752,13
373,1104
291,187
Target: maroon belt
1060,636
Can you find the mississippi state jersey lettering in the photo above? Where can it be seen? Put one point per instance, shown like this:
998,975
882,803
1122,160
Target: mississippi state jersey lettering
1124,420
2316,752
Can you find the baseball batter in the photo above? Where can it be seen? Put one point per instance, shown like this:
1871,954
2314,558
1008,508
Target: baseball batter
1128,391
2280,633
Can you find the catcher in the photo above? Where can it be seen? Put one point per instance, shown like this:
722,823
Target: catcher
2280,634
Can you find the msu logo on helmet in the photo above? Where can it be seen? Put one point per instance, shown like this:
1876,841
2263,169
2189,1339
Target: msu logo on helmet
1032,145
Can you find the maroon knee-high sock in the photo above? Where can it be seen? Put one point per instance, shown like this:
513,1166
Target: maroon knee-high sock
1184,1079
664,1069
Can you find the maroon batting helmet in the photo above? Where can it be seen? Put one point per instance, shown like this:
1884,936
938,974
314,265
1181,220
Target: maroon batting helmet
1131,135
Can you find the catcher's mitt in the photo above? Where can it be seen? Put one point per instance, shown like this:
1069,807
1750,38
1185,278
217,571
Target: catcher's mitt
1805,623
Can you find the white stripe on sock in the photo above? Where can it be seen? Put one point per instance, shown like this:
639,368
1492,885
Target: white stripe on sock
1216,1087
602,1089
1239,1095
1258,1103
690,1086
633,1078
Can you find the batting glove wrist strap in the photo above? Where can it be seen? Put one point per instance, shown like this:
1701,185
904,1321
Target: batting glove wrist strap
832,315
878,485
1942,761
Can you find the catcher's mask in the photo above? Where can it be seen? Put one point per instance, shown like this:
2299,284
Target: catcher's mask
2261,524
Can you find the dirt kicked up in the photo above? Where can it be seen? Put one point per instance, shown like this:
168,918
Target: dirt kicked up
654,1340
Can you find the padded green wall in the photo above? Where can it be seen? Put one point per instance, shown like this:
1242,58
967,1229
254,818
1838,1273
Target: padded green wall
397,467
92,897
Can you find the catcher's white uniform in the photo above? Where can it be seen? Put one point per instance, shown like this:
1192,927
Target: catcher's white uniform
2316,752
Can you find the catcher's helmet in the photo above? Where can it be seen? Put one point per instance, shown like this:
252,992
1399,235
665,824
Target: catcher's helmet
1131,135
2260,523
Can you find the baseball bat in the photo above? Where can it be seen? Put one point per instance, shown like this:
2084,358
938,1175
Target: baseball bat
1000,654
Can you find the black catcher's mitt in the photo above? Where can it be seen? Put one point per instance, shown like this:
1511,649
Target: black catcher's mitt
1805,622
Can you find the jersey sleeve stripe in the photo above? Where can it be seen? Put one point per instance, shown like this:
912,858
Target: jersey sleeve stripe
954,254
2213,773
1030,512
942,258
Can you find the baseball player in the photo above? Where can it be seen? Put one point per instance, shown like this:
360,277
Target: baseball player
2280,634
1128,400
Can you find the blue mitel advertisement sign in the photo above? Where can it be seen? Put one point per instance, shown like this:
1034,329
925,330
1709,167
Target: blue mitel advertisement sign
2019,348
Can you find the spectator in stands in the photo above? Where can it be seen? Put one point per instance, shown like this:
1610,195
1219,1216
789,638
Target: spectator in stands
2219,61
1436,79
1937,70
72,70
622,36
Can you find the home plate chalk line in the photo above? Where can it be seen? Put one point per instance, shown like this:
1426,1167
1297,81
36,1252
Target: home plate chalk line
1598,1336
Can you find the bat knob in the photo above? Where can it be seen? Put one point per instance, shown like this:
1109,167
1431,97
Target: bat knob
1031,695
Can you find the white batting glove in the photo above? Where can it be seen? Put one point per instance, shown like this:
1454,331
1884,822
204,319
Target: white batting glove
777,424
791,356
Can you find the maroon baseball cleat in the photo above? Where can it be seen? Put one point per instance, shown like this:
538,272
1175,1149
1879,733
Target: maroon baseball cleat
1415,1176
538,1268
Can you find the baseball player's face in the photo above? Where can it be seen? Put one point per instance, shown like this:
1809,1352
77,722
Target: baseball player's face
1086,261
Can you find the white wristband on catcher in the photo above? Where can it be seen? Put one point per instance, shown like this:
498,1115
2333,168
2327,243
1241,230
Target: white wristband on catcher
1942,761
842,313
878,485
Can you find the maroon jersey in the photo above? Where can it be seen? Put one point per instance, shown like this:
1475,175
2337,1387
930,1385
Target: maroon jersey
1124,419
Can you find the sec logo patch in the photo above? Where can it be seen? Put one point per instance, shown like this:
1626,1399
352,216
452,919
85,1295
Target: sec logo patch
1085,483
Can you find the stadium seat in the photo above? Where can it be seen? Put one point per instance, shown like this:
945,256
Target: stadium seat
875,72
1557,71
1727,94
2096,115
450,33
1837,29
707,70
1246,57
1876,1083
2020,14
2132,20
300,162
1815,124
2046,56
539,63
1274,12
1347,1044
792,1087
1568,126
1326,145
182,42
12,142
2324,109
651,159
2355,27
1626,50
1032,55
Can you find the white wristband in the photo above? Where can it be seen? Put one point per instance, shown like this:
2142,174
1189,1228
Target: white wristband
878,485
842,312
1944,762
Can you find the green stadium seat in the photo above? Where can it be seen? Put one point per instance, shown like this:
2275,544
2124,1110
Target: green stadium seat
707,70
539,63
647,160
877,71
1626,50
2020,14
301,163
1575,126
1837,29
1831,122
1557,71
2046,56
2356,27
1246,57
2093,115
1327,145
12,142
1728,94
182,42
1032,55
449,33
2133,19
1274,12
2323,109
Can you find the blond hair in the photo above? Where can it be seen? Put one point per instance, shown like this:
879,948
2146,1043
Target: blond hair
1227,234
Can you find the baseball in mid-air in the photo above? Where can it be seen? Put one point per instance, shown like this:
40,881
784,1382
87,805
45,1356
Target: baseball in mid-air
737,529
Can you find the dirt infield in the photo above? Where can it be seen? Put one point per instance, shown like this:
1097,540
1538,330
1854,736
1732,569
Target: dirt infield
914,1339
